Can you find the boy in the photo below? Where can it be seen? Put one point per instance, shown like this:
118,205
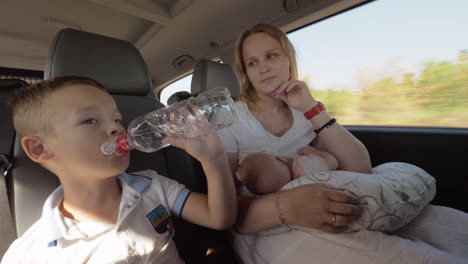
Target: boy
100,214
262,173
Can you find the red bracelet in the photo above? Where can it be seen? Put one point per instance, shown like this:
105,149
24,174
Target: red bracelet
314,111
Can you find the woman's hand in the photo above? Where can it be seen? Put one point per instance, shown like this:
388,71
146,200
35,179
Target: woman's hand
319,206
296,94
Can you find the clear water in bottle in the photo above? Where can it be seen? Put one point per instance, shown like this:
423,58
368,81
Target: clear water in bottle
211,110
145,136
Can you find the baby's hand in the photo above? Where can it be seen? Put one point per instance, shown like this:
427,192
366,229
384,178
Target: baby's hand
307,150
331,161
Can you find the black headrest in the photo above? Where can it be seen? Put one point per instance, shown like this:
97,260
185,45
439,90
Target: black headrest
178,96
209,74
7,85
115,63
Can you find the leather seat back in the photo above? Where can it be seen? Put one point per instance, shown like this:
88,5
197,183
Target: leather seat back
209,74
7,136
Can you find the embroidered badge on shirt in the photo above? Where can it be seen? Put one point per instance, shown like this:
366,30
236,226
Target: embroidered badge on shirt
160,220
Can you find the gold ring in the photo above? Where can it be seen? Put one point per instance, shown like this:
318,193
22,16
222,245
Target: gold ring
334,219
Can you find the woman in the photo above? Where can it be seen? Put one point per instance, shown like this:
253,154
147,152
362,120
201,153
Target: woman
277,114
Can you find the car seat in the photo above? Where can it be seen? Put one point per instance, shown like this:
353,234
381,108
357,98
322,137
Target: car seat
7,136
209,74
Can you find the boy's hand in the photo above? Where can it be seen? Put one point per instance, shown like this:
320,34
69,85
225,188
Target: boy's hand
206,147
203,148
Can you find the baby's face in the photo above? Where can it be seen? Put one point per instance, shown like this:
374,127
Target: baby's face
82,118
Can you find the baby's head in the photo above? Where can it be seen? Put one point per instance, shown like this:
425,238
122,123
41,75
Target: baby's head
64,121
263,173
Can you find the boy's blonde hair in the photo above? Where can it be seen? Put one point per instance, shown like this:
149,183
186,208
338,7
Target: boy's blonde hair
28,105
249,94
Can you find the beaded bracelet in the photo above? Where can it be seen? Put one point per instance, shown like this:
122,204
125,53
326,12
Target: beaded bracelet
279,215
327,125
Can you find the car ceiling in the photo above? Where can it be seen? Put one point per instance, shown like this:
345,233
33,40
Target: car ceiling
163,30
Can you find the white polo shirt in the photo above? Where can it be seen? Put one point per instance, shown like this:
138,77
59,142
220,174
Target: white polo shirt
143,228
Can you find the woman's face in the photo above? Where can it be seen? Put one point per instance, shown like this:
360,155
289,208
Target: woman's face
266,64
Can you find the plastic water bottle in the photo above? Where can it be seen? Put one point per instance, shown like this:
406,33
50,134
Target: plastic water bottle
210,110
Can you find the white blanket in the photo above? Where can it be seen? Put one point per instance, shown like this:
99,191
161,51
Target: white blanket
437,235
392,196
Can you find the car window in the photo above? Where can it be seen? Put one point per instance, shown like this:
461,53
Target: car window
390,62
182,84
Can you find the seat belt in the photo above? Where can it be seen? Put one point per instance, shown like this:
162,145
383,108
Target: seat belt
7,227
7,224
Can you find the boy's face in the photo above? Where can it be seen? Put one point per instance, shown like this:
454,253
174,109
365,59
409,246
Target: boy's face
82,118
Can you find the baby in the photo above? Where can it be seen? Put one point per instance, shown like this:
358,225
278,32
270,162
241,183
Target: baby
262,173
393,195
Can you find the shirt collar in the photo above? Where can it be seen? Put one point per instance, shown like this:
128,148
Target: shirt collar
137,182
52,228
55,229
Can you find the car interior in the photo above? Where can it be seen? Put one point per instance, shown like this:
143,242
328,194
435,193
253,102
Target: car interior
135,49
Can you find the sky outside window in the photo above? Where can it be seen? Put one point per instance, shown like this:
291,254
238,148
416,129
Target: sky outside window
390,62
384,37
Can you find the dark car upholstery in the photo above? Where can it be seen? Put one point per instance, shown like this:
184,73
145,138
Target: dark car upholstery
209,74
7,138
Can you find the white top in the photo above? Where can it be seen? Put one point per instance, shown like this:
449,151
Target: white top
246,135
143,227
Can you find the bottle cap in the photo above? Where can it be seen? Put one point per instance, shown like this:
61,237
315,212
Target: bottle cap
123,144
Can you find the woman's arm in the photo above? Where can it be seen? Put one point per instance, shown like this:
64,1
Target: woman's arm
254,214
310,205
351,154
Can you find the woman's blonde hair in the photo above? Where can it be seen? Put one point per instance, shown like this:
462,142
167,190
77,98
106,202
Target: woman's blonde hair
249,95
